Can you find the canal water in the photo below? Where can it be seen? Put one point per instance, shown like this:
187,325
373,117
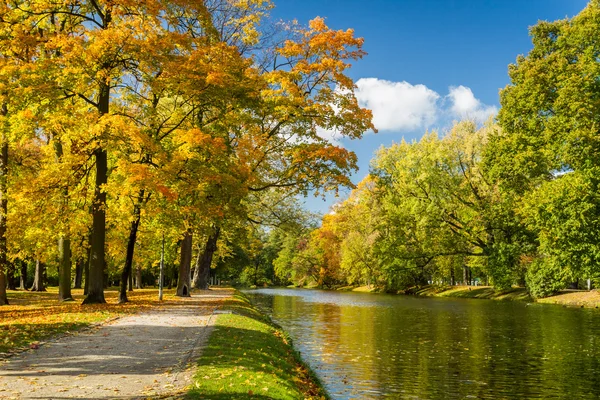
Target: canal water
366,346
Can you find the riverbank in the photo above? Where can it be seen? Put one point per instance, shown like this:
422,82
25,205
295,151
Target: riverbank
247,356
568,297
472,292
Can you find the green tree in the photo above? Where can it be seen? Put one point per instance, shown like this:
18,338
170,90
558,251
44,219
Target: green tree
550,150
441,190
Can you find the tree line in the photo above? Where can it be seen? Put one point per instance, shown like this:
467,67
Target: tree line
125,124
513,202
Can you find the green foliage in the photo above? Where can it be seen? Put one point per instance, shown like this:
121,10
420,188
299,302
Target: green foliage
545,277
501,265
551,108
565,213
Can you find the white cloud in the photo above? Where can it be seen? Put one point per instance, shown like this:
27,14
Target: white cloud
403,107
398,106
466,106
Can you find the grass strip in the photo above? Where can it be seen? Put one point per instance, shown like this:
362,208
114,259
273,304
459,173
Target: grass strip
249,357
473,292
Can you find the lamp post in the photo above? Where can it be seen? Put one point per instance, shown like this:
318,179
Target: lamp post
162,269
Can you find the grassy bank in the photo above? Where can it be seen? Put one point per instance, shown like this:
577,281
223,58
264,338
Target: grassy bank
570,298
575,298
248,357
473,292
32,317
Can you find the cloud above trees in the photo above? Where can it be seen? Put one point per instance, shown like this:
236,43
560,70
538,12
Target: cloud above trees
404,107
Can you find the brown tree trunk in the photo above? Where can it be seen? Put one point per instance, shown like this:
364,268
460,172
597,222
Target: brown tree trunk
95,285
126,275
206,260
23,278
3,209
64,282
183,281
38,278
78,272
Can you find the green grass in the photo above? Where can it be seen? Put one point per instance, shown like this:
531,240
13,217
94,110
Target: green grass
248,357
474,292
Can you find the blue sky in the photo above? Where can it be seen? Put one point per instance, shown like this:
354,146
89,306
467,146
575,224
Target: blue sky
430,61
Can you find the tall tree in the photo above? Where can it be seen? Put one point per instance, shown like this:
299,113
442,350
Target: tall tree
551,147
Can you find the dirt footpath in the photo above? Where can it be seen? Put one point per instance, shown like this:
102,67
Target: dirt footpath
142,356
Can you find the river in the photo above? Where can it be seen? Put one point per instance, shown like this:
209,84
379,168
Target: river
366,346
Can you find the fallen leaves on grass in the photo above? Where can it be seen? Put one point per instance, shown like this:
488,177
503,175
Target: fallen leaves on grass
33,316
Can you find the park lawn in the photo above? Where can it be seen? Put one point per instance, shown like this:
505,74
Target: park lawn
32,317
248,357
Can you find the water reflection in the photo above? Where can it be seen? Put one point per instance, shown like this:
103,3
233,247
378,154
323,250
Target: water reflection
373,346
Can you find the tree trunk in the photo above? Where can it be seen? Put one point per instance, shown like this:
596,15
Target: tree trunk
38,278
86,267
79,265
64,241
95,285
96,282
11,276
64,256
23,281
170,276
138,276
126,275
3,209
196,274
206,260
183,281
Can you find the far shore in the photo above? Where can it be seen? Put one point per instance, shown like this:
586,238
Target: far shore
567,297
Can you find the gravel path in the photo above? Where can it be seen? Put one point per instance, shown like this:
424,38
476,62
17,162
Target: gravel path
148,355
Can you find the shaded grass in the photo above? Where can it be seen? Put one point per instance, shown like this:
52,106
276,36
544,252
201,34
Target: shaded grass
474,292
35,316
249,357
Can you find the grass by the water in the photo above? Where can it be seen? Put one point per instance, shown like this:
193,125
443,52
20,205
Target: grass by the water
32,317
570,298
248,357
474,292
